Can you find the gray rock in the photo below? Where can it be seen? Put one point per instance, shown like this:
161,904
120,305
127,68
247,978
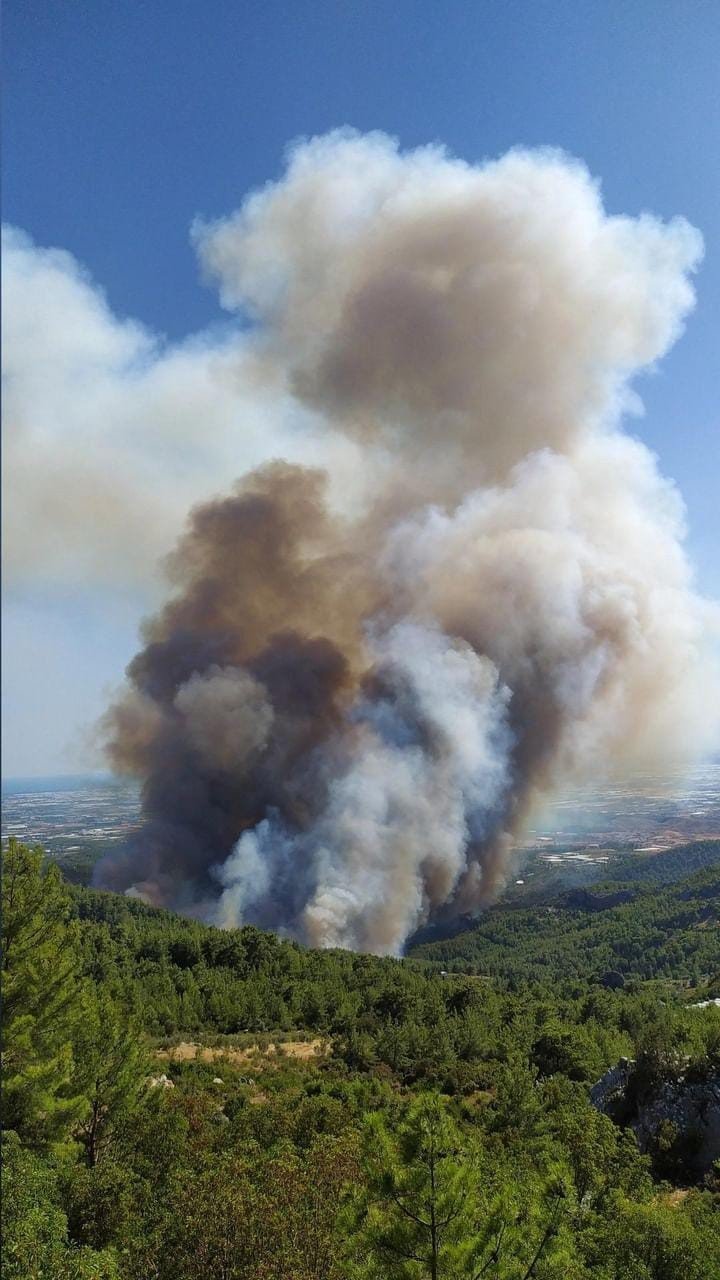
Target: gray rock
688,1108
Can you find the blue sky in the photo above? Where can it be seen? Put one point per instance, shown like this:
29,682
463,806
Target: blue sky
123,121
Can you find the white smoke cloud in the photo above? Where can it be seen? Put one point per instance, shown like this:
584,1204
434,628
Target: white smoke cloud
426,781
572,576
424,776
110,433
498,601
407,300
434,306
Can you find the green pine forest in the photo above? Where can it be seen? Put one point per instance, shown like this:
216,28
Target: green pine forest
186,1103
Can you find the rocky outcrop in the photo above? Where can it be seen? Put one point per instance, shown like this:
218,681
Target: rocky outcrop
676,1120
160,1082
611,1087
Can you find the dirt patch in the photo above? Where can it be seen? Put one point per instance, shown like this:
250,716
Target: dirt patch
187,1051
676,1198
709,921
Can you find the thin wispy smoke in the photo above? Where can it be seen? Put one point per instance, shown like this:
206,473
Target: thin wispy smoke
354,695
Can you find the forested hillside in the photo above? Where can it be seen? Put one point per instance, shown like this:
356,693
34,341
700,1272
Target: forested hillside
670,865
608,932
438,1125
540,880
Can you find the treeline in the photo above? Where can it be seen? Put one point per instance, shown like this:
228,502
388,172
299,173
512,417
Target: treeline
445,1133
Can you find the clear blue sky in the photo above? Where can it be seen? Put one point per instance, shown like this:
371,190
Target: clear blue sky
124,119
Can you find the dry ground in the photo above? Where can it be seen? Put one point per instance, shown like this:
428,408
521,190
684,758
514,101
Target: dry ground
187,1050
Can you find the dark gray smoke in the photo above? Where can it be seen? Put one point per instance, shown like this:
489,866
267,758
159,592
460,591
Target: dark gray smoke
347,709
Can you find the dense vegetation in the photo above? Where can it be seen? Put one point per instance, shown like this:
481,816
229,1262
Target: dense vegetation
609,932
664,868
540,880
444,1129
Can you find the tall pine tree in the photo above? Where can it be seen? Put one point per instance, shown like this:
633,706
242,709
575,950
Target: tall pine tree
112,1067
40,967
424,1214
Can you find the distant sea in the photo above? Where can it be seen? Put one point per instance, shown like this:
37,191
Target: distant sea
58,782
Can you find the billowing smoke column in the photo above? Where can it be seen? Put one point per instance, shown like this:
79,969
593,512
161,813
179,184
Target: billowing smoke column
355,695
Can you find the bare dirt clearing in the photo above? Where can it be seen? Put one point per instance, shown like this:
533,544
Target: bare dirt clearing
188,1050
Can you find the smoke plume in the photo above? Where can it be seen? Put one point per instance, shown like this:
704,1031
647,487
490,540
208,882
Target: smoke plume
355,694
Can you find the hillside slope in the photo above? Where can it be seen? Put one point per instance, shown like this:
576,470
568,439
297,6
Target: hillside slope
131,1155
609,932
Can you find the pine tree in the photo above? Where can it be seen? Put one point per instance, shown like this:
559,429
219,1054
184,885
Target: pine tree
35,1244
415,1217
112,1067
40,999
424,1214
